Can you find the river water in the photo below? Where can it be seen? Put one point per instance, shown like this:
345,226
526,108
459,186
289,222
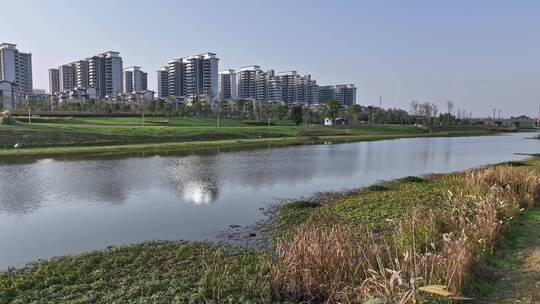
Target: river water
53,207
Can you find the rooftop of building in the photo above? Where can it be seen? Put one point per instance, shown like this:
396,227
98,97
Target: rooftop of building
7,45
12,46
348,85
250,68
110,54
288,73
207,55
134,68
229,71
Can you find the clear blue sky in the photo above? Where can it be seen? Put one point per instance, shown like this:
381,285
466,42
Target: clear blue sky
481,54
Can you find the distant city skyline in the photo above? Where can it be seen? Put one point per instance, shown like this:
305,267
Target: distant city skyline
482,55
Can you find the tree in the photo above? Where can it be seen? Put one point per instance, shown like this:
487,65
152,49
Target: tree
265,110
448,118
297,115
143,104
424,111
206,108
250,109
332,109
353,113
450,109
281,111
239,107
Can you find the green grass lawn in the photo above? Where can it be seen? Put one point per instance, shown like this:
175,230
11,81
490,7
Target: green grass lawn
370,207
60,136
158,272
149,120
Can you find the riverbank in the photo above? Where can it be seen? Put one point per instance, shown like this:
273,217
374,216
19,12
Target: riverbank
442,228
120,136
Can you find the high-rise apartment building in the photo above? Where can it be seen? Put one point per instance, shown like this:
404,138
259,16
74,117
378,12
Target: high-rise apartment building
261,85
102,72
327,93
227,88
8,94
289,88
16,67
54,81
176,78
193,76
247,81
81,73
254,83
312,91
346,94
305,89
163,82
113,73
135,80
274,87
67,77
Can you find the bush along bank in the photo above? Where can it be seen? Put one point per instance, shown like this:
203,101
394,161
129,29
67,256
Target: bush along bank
407,241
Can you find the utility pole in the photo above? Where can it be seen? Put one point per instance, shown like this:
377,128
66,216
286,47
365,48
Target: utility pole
500,114
538,119
494,114
142,112
380,102
218,110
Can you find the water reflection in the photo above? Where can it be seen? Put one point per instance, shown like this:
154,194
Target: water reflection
53,207
196,179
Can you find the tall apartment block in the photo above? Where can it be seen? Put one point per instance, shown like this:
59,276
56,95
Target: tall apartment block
346,94
227,88
163,82
104,72
54,81
247,82
327,93
16,67
66,74
81,74
191,76
288,87
274,87
135,80
288,80
255,84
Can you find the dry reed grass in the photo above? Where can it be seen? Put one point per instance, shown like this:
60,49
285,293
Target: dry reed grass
338,263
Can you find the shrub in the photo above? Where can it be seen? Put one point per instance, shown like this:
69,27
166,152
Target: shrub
8,120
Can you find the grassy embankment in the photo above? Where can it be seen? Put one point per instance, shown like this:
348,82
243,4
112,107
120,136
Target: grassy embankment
388,241
110,136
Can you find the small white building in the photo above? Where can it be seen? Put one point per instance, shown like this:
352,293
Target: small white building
328,122
133,98
77,95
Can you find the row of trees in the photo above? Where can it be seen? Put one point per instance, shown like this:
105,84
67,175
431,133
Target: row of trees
424,113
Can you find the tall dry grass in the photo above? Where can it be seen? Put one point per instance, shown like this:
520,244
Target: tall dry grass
338,263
